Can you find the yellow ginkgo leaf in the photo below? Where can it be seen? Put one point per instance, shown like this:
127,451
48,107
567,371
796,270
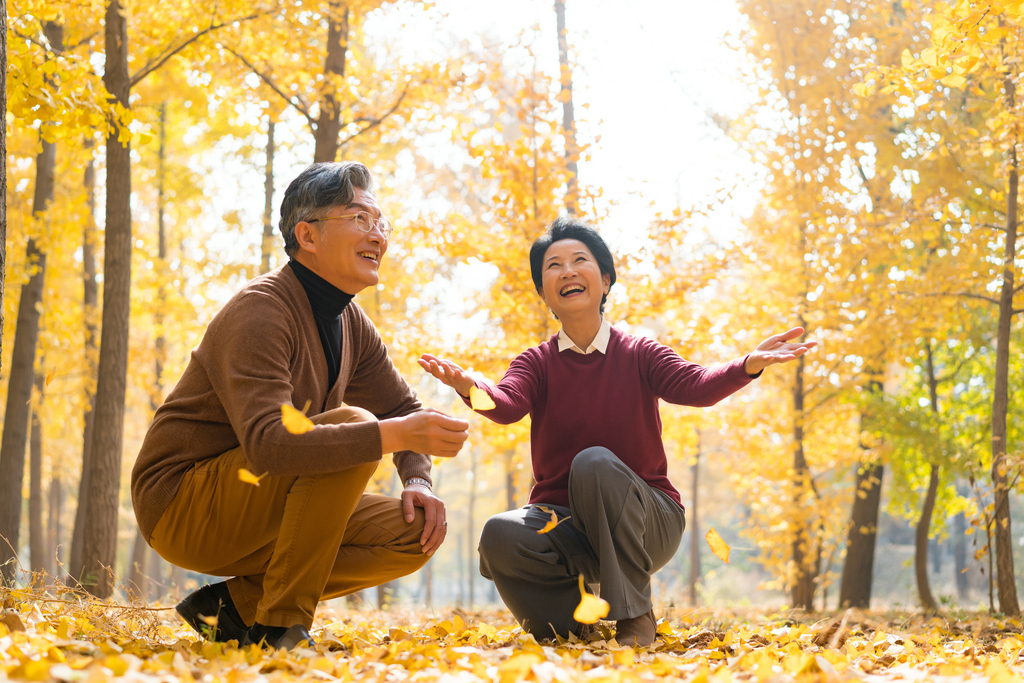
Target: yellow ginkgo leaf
480,399
248,477
591,608
718,546
295,421
555,521
50,375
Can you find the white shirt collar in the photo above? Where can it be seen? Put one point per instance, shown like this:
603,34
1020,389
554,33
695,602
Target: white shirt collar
600,342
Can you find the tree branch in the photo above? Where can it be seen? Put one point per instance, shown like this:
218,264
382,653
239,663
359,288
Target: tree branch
969,295
994,227
297,102
155,64
373,123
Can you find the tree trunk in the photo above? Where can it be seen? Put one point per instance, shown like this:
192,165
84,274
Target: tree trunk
859,566
963,586
694,528
137,583
510,480
568,118
267,245
99,550
90,308
328,125
470,532
3,170
37,549
1007,586
802,592
428,586
160,350
924,590
53,528
26,334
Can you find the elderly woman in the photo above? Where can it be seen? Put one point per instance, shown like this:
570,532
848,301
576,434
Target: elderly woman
592,394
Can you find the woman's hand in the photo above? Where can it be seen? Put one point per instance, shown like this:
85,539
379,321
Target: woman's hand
776,349
448,372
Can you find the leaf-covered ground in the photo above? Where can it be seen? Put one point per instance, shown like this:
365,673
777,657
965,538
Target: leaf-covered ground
67,638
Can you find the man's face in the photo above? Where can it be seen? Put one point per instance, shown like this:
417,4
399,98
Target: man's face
342,253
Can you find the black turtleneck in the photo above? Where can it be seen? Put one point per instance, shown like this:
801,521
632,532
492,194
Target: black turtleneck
327,302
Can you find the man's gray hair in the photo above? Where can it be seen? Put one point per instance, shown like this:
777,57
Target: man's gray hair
318,188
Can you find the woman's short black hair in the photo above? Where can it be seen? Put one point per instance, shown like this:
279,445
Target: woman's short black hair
570,228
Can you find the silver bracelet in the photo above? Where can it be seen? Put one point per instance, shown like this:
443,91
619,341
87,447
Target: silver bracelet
418,480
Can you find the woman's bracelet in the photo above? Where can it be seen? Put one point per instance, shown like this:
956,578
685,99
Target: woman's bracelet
418,480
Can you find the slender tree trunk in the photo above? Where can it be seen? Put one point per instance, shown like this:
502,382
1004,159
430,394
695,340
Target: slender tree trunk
802,593
924,590
160,354
36,541
1006,585
53,528
510,479
694,527
470,531
568,118
90,310
19,387
859,566
328,125
156,586
137,583
428,586
99,551
267,245
963,586
3,170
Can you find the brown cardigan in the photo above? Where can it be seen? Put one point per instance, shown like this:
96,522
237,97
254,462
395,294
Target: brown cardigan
260,351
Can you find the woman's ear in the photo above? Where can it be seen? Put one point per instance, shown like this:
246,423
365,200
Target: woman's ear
606,280
540,293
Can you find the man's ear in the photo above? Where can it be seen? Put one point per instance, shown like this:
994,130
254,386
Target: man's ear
307,236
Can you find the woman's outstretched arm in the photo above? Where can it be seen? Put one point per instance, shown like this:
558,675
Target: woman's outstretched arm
513,397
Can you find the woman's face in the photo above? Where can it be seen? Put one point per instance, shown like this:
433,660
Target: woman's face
572,281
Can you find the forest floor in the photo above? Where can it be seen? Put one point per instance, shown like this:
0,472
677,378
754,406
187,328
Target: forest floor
66,637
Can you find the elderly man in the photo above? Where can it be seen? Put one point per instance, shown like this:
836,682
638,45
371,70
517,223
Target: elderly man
294,337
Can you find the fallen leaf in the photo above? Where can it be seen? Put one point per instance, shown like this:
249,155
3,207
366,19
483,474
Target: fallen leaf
719,547
591,608
480,399
555,521
295,421
248,477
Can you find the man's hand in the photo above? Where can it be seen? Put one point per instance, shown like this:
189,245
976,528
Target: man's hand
776,349
425,431
435,528
448,372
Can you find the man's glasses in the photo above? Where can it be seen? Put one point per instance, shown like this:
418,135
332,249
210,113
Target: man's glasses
364,221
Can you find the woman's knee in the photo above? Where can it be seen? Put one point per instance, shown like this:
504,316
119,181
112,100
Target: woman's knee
591,462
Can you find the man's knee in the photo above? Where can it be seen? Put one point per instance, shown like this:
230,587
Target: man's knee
344,415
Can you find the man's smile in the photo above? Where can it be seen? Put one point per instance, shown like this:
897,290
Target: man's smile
370,255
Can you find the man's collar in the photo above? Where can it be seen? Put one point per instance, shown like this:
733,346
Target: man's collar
600,342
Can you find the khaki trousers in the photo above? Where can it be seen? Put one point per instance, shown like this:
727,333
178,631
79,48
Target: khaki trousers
291,541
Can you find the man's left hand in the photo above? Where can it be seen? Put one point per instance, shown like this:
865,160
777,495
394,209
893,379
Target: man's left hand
435,528
777,349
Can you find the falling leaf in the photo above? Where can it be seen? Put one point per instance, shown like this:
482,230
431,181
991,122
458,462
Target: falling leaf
50,375
555,521
248,477
209,621
295,421
480,399
591,608
719,547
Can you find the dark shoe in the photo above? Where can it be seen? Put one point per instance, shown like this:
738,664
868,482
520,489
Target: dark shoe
638,631
213,602
276,637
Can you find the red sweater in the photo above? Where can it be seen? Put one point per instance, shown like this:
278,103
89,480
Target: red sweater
578,401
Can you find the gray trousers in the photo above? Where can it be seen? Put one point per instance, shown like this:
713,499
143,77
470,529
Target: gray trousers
622,530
